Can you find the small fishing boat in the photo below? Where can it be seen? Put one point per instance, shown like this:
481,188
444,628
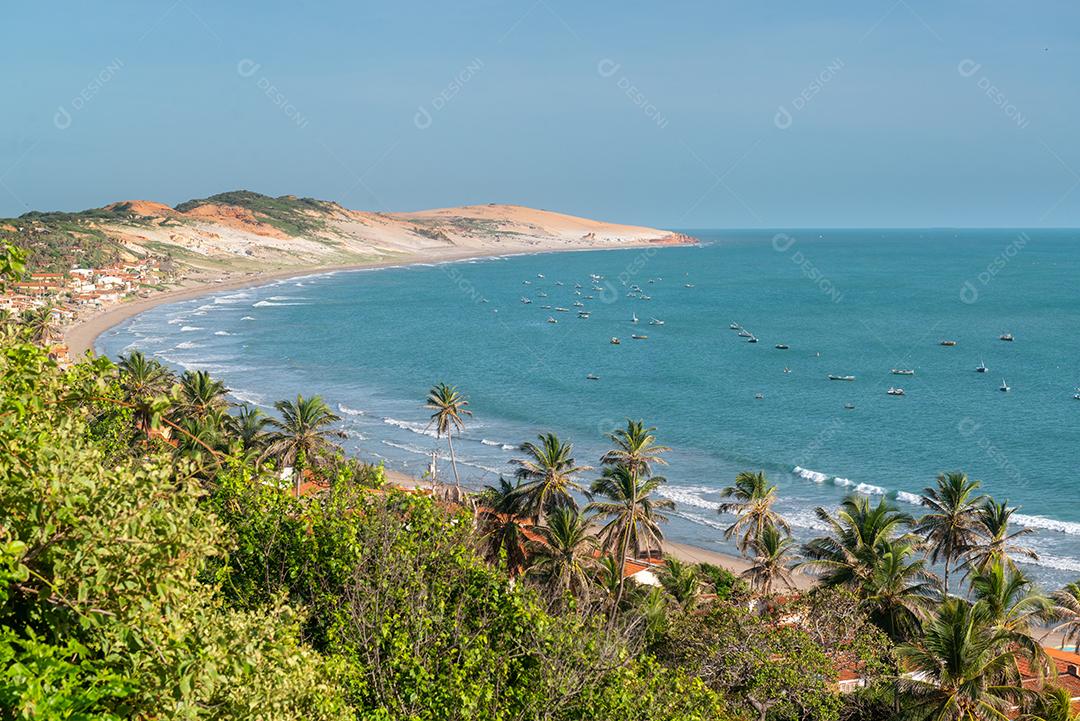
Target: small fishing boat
634,318
688,285
577,285
1006,336
583,314
781,346
545,307
639,337
551,320
526,282
645,297
588,297
751,339
578,304
592,377
849,406
541,294
981,368
787,370
735,326
745,334
539,275
949,343
562,310
841,378
759,396
903,372
895,391
1004,386
558,282
615,341
656,321
525,300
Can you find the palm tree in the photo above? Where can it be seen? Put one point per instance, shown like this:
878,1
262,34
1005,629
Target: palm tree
564,553
1015,607
681,581
636,448
771,561
499,510
960,669
859,537
200,393
1053,704
302,436
41,323
547,476
248,427
950,528
448,408
632,513
754,497
1067,611
142,380
995,543
899,590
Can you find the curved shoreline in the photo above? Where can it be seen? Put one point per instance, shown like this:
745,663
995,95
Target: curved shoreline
83,334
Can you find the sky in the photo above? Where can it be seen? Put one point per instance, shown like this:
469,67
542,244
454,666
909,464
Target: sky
713,114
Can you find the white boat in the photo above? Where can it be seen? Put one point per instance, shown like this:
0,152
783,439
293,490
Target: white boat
656,321
545,307
895,391
841,378
646,297
558,282
781,346
562,310
578,304
639,337
552,320
849,406
735,326
539,275
1006,336
745,334
982,368
592,377
525,300
541,294
1004,386
751,339
615,341
634,318
688,285
903,372
759,396
583,314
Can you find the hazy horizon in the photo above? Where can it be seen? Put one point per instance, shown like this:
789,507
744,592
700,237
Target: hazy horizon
895,114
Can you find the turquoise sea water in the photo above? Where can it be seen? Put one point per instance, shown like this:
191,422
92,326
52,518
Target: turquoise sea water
846,302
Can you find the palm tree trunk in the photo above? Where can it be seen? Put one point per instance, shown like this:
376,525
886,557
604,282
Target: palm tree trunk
623,547
453,461
947,560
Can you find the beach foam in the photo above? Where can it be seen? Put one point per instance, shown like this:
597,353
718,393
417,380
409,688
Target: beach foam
411,427
190,328
342,408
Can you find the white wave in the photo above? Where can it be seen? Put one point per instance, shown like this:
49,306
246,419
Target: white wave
806,519
499,444
175,321
912,498
269,304
349,411
1056,562
222,332
247,317
249,397
190,328
868,489
204,308
700,520
686,496
413,427
410,449
280,298
810,475
199,312
187,345
230,299
489,469
1048,524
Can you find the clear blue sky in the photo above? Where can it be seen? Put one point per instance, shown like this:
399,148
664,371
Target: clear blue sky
898,113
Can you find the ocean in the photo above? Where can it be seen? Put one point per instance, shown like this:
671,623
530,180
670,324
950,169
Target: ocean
845,302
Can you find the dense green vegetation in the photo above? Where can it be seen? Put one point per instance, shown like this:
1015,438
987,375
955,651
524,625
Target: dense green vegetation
165,553
287,213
